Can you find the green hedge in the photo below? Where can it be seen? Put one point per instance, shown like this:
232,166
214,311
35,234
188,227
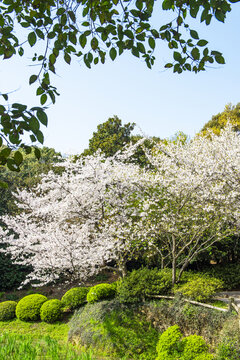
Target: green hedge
75,297
101,292
172,346
51,311
28,308
199,287
7,310
139,284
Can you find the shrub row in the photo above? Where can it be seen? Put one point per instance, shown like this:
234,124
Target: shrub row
36,306
137,287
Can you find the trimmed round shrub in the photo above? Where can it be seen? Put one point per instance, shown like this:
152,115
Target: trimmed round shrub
101,292
140,284
7,310
200,288
172,346
51,311
28,308
75,297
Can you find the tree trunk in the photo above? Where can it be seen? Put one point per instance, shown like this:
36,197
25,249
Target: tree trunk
173,260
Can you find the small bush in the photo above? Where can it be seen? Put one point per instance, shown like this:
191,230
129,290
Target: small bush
7,310
28,308
139,284
51,311
75,297
199,288
101,292
172,346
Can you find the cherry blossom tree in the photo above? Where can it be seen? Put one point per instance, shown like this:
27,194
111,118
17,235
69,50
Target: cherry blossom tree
193,198
101,211
65,227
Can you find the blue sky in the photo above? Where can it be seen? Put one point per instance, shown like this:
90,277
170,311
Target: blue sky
159,102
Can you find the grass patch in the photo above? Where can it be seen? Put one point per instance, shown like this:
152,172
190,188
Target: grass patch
57,331
27,347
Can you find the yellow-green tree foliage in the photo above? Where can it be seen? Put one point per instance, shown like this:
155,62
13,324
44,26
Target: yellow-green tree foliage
231,114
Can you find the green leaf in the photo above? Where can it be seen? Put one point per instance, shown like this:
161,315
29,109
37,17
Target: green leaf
18,157
12,165
167,4
34,124
19,107
40,136
168,65
135,51
43,99
94,43
194,34
151,42
141,48
5,96
82,40
202,42
37,153
5,152
67,58
42,117
177,56
113,53
195,53
219,15
220,59
32,38
32,79
129,34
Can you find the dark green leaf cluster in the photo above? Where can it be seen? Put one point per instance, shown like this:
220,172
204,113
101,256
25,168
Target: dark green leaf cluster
28,308
90,30
7,310
140,284
110,137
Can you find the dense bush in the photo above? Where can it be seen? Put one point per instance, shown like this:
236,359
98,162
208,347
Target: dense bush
7,310
11,275
139,284
113,329
199,287
190,318
101,292
28,308
229,341
171,346
51,311
75,297
229,274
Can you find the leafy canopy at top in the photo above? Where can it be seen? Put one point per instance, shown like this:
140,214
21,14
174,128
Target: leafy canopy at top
91,30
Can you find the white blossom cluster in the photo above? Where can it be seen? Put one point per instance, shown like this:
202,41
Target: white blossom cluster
102,210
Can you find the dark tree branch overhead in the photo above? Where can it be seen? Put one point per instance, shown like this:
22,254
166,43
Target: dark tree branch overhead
91,30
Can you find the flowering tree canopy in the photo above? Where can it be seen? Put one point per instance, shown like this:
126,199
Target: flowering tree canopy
101,210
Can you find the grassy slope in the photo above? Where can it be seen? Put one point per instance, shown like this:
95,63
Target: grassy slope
57,331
